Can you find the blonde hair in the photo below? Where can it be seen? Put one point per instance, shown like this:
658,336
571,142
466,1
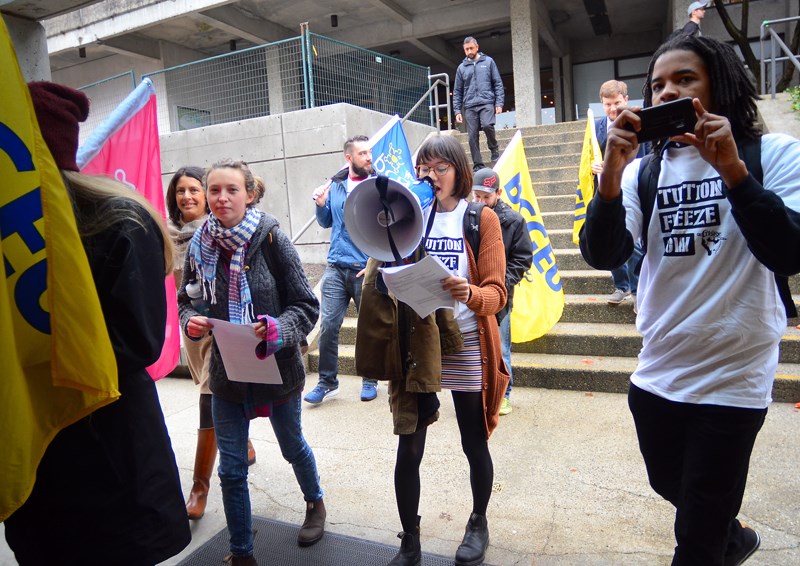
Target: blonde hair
100,203
261,188
612,89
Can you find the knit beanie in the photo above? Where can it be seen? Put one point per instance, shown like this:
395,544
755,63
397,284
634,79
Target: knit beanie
59,108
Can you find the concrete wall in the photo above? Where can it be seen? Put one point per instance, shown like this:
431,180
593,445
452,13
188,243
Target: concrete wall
293,152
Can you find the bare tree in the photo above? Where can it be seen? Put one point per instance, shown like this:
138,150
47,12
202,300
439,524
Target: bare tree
739,35
794,46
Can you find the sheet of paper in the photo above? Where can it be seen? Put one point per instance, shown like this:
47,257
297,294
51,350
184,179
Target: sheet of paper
237,346
419,285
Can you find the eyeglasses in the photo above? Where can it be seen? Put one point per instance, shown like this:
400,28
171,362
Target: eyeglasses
424,170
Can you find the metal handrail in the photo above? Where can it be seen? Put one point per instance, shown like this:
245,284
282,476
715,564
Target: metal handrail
773,59
436,104
435,107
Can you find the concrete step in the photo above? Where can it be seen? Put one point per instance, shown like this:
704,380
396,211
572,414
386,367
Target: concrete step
555,203
570,259
564,145
561,238
582,373
596,338
544,187
558,220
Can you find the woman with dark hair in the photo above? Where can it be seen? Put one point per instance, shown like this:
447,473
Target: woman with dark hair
455,349
227,261
107,489
725,225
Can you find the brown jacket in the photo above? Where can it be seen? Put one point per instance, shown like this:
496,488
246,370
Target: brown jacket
393,343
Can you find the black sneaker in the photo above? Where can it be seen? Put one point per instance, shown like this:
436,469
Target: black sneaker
495,155
748,543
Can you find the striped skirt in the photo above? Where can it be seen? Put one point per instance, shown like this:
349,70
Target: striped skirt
462,371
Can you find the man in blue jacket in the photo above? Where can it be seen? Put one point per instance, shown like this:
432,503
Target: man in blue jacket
346,264
477,96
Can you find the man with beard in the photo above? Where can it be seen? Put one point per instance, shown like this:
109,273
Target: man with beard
477,96
346,263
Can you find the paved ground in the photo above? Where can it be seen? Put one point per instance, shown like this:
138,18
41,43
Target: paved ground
570,486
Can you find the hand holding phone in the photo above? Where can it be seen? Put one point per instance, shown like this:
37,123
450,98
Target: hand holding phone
665,120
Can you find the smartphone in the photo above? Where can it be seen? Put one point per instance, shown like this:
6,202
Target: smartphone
665,120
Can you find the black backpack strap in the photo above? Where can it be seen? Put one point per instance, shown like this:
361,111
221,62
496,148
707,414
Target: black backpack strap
649,169
750,153
472,227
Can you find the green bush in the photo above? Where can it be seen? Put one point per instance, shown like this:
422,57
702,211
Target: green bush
794,97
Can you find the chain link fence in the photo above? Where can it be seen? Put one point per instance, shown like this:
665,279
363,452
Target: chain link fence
340,72
293,74
259,81
104,97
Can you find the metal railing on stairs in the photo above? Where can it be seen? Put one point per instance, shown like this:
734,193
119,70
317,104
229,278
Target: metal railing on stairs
442,79
775,43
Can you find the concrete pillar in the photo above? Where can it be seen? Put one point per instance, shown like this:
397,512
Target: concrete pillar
274,81
558,89
569,99
525,55
30,43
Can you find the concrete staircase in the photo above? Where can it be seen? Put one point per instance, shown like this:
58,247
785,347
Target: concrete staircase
594,346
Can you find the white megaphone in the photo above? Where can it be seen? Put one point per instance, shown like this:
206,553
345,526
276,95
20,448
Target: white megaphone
380,211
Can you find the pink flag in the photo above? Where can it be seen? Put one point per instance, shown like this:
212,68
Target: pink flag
125,147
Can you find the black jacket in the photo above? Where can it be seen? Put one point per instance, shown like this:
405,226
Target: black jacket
519,251
107,489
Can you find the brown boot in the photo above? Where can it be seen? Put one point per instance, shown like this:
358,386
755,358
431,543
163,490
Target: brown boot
251,453
314,526
204,459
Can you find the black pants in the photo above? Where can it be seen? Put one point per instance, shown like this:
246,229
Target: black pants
480,118
697,458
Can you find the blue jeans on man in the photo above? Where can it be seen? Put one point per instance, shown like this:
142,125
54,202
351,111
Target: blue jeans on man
625,277
339,286
232,429
505,343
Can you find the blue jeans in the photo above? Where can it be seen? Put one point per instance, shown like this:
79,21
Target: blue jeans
232,428
625,277
505,342
339,285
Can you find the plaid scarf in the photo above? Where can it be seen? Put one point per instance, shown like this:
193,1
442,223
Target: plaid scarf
204,253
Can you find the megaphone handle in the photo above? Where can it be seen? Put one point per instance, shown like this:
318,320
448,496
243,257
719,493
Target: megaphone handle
434,206
382,183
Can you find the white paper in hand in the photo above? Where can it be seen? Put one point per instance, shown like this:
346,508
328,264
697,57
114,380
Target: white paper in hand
237,347
419,285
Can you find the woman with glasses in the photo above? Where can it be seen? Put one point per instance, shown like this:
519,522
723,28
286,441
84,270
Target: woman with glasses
455,349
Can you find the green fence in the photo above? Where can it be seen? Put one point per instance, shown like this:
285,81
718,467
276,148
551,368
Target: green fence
293,74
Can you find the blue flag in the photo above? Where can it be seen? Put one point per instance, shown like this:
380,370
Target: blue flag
390,154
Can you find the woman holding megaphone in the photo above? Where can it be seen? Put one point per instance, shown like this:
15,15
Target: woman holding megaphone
455,349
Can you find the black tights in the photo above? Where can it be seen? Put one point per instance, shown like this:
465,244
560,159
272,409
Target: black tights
411,447
206,420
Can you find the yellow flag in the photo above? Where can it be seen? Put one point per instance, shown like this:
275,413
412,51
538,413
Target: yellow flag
538,298
56,360
589,154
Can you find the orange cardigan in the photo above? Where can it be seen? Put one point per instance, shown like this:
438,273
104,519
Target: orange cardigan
488,296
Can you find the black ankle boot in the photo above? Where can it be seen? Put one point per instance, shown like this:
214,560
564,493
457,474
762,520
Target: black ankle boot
410,553
476,539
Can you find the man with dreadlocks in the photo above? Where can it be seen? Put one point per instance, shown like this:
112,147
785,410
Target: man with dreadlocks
710,311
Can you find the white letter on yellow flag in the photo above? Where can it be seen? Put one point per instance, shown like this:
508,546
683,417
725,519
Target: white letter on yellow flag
589,154
56,360
538,298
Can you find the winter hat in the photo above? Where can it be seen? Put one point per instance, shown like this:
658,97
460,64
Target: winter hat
485,180
59,109
697,6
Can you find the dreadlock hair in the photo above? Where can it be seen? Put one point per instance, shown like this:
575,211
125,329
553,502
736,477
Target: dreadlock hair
733,93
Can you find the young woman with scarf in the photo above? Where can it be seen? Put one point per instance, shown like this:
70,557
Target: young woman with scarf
227,259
